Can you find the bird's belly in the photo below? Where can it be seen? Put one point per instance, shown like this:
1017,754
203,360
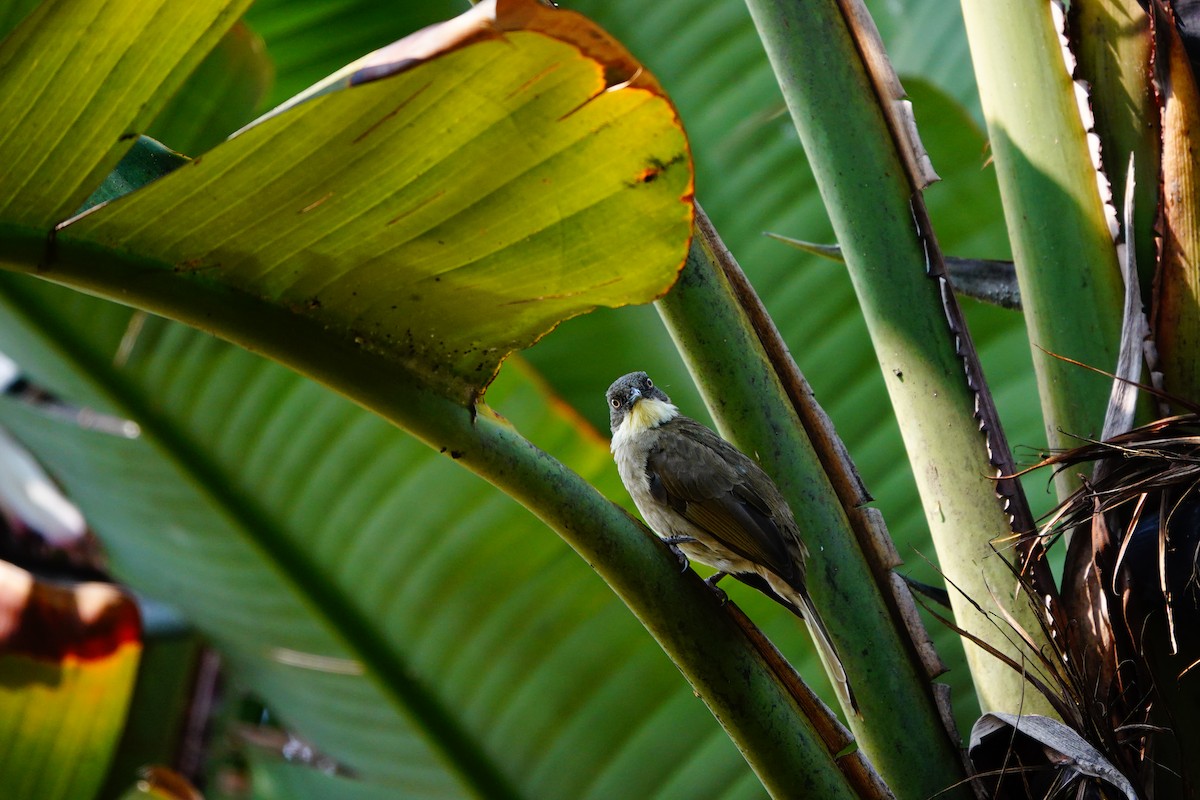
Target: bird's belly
721,560
667,523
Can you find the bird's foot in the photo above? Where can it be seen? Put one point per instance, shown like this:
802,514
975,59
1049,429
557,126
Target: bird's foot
673,543
712,581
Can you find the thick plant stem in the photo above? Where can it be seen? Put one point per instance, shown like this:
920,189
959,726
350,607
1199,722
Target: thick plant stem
1066,263
899,725
749,698
954,443
1111,40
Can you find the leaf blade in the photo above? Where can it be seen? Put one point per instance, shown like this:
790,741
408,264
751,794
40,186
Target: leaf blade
79,78
523,209
469,592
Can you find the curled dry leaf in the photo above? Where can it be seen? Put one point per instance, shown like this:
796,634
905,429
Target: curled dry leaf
1177,282
1041,752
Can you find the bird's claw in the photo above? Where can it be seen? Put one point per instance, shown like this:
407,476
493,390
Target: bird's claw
712,581
673,543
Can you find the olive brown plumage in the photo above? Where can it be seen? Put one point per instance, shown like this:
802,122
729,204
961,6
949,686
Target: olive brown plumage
703,495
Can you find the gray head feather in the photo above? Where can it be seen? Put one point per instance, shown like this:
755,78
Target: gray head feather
628,389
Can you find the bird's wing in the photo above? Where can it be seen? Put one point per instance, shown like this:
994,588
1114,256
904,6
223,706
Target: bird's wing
719,490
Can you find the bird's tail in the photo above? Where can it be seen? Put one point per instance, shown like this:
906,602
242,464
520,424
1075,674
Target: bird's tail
828,653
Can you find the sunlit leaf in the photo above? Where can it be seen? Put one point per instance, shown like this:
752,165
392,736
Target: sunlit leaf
222,95
124,59
524,203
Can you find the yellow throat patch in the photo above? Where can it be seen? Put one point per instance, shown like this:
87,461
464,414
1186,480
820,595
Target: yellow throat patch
648,413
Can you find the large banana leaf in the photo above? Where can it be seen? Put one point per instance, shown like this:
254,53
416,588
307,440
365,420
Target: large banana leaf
524,206
77,79
413,622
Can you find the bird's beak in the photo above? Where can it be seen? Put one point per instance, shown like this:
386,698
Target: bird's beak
635,394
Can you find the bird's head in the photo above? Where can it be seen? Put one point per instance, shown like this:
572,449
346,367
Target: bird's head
635,402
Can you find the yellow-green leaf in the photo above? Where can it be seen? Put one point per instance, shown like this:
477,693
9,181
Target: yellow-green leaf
450,206
223,94
78,80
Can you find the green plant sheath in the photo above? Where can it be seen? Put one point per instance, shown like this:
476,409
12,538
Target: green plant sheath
899,727
1066,263
867,194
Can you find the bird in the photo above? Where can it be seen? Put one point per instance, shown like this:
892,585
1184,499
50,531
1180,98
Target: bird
702,495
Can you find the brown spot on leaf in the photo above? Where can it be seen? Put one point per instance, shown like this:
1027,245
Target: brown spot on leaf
535,79
417,207
377,123
316,203
649,174
652,170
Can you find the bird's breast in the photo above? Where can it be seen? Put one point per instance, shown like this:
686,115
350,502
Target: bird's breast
631,451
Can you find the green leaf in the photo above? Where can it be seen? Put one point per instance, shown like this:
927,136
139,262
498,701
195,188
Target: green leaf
411,621
1066,263
12,12
309,39
221,96
78,80
279,780
925,39
525,205
68,658
146,161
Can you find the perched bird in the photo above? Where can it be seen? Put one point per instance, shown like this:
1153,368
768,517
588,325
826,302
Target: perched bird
702,495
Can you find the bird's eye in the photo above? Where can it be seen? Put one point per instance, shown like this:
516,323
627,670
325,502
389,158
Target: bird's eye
615,403
649,383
